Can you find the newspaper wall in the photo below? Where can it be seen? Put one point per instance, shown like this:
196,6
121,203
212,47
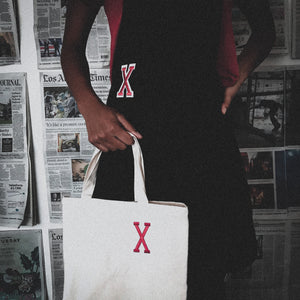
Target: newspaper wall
57,263
49,23
242,29
67,148
265,115
21,265
14,165
268,277
9,44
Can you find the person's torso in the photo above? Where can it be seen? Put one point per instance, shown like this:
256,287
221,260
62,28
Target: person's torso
164,68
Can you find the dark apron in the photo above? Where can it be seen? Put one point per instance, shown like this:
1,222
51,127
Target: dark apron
170,91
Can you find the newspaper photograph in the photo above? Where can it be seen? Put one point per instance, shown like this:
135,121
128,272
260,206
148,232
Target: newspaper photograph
265,173
49,24
21,266
258,165
9,36
258,111
57,262
274,181
259,172
14,161
67,149
242,31
267,278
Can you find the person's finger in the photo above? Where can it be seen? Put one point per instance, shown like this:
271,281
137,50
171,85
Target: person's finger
125,138
101,147
127,126
114,144
225,104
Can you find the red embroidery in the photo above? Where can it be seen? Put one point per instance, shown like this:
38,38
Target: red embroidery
142,237
126,73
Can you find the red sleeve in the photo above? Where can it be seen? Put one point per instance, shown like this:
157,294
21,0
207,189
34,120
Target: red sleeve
227,64
113,10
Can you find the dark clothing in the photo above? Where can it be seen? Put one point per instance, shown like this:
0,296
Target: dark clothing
189,150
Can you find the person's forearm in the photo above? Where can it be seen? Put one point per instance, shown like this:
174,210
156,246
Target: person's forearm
77,75
254,52
258,46
262,38
107,129
79,20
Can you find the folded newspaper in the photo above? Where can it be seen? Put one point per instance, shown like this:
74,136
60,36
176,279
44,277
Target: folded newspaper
16,183
9,35
67,149
22,265
49,24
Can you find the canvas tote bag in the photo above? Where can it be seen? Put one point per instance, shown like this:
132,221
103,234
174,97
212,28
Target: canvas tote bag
133,250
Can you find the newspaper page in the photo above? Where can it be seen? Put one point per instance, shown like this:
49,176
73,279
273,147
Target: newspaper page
9,41
242,29
295,29
21,265
294,272
49,23
67,149
258,110
292,160
267,278
14,164
265,116
57,262
265,172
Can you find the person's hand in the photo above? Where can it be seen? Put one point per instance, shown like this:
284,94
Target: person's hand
108,129
229,94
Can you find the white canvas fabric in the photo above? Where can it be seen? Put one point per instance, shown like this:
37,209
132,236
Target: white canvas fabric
124,250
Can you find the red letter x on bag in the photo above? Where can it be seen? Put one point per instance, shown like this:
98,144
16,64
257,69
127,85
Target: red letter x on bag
126,73
142,236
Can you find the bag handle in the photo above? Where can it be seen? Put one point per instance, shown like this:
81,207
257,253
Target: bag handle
139,174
